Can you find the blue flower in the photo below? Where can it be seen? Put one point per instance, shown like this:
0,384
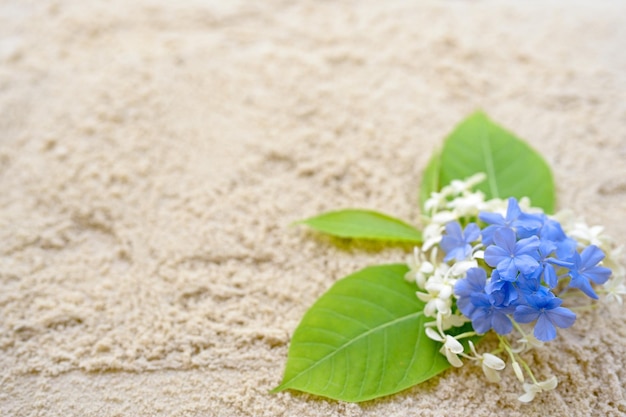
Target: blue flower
551,231
510,256
546,268
473,283
487,315
547,311
585,268
502,293
524,224
531,288
457,243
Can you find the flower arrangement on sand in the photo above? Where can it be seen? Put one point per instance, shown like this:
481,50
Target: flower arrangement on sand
491,256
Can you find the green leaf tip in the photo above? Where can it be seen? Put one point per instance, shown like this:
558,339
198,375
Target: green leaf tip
513,168
363,224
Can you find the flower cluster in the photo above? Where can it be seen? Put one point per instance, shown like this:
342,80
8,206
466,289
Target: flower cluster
505,266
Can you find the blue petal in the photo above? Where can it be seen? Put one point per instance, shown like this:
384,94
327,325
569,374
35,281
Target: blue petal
480,300
488,232
565,248
494,254
528,224
502,293
528,283
454,244
525,314
582,283
546,247
507,269
550,301
501,323
549,276
474,282
491,218
506,239
561,317
526,264
544,329
591,256
564,264
458,253
512,211
552,230
481,321
598,274
477,276
454,229
466,306
472,233
529,245
543,299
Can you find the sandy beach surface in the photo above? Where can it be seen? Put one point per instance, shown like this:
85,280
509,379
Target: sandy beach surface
154,153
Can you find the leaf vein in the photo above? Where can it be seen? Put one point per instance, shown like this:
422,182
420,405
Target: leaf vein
364,301
342,348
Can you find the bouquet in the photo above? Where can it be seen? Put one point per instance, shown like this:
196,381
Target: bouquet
491,256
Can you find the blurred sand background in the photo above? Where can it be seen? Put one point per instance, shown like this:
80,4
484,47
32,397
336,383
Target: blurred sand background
154,153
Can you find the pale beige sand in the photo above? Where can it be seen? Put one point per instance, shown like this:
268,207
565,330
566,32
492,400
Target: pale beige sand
152,157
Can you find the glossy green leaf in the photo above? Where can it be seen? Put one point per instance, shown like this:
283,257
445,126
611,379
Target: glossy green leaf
513,168
363,339
364,224
430,178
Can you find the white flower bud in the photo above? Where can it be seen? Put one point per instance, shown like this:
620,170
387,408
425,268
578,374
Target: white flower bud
518,371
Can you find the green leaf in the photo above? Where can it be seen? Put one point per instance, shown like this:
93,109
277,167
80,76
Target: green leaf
363,339
430,178
513,168
364,224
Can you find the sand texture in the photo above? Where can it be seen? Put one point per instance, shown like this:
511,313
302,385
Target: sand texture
154,153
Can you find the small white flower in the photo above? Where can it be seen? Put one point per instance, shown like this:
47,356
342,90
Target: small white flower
451,320
491,365
616,289
419,268
467,205
432,235
433,334
434,304
435,202
531,390
582,232
459,269
475,179
439,290
462,186
457,187
444,217
442,288
451,347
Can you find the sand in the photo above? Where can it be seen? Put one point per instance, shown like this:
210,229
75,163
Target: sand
153,155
